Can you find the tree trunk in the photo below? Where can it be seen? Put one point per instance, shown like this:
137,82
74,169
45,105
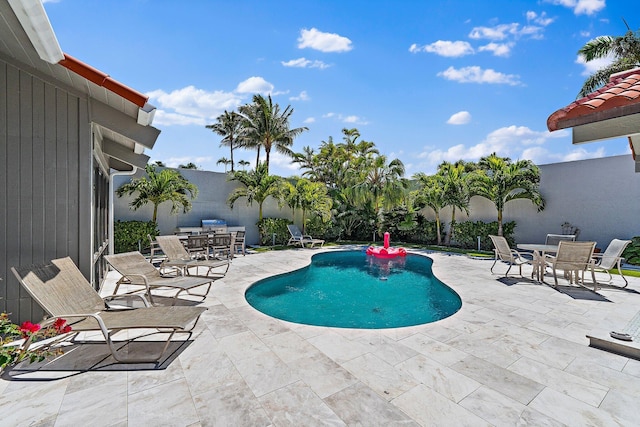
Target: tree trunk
258,157
231,147
438,229
499,223
453,221
267,160
155,213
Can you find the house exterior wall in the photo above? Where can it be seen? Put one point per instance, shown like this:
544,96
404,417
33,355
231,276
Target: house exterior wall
45,181
599,196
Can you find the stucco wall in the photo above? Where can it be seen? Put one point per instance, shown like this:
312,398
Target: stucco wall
211,203
599,196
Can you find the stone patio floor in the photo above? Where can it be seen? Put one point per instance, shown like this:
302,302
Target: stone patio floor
515,354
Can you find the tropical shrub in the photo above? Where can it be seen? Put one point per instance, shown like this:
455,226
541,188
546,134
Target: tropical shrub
632,253
467,232
425,232
317,227
132,235
270,226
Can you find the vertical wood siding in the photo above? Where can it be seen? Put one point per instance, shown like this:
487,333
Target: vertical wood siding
45,181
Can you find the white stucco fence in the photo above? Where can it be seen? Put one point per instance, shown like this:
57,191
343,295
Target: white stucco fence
599,196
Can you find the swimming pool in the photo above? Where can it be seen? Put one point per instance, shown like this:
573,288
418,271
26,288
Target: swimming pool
349,289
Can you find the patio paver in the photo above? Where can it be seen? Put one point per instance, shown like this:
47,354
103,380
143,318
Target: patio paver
515,354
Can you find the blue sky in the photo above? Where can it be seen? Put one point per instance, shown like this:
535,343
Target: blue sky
426,81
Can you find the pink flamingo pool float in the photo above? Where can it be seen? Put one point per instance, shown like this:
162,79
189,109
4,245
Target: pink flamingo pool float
386,251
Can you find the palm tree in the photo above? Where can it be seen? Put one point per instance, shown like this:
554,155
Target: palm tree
224,161
244,164
267,127
456,190
258,185
159,187
433,195
229,126
189,165
380,183
501,181
311,197
625,51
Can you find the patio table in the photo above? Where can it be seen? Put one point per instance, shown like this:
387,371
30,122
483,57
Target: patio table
538,251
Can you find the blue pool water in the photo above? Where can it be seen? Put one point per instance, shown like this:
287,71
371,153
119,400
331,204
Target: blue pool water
349,289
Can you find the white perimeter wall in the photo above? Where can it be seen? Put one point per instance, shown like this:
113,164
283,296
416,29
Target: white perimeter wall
599,196
211,203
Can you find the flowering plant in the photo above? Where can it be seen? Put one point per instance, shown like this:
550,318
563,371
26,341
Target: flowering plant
15,340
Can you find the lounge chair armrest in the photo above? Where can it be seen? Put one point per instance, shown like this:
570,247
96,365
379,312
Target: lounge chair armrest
125,297
524,255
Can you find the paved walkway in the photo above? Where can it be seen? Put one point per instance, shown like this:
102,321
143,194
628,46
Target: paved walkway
515,354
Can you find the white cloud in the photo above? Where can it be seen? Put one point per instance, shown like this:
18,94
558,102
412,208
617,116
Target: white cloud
305,63
585,33
541,19
254,85
594,65
581,7
324,42
351,119
174,162
475,74
498,49
165,118
191,105
309,120
444,48
504,31
459,118
516,142
279,164
302,97
499,32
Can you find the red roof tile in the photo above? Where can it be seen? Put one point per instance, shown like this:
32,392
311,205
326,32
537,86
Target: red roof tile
622,90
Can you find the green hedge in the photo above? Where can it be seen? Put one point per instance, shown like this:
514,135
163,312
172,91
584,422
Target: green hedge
466,233
132,235
269,226
632,253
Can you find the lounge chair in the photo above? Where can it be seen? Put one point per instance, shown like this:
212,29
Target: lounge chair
574,258
63,292
178,258
503,252
611,258
135,270
298,238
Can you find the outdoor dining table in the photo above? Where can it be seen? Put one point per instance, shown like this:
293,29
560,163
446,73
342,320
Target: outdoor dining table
538,251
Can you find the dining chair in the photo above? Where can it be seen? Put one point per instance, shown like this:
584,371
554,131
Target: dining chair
573,258
554,239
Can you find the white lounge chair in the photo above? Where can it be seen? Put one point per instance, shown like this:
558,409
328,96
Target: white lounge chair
611,258
297,238
503,252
